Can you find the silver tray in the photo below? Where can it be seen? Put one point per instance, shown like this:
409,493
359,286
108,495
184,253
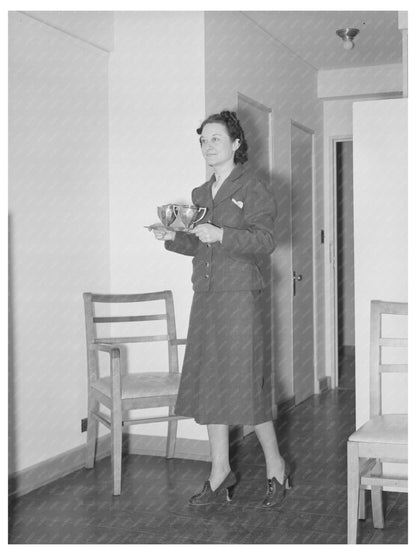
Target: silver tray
161,227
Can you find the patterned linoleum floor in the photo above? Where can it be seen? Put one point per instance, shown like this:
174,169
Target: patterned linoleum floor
153,509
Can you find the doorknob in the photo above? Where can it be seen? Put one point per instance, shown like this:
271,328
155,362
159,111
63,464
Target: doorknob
295,279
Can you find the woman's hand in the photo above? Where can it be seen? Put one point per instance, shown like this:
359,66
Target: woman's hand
164,234
208,233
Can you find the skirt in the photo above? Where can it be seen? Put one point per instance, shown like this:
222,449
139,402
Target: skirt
226,371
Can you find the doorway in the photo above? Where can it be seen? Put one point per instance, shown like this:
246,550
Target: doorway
344,279
303,310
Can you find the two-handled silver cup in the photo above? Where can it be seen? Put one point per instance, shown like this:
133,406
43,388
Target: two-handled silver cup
190,215
167,213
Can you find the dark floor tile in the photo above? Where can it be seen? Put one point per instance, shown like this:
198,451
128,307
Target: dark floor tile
390,536
153,508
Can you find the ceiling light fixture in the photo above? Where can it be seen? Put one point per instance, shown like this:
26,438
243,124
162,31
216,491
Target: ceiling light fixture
347,35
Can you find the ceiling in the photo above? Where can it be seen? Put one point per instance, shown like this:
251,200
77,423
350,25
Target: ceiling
311,35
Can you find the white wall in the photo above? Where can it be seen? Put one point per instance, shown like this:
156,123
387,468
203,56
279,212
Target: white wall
380,223
156,103
94,28
59,230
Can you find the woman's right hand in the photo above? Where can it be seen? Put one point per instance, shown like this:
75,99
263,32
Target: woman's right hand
164,234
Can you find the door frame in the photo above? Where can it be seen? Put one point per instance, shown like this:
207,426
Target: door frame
311,132
331,292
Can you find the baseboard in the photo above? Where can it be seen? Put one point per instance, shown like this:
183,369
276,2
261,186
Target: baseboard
43,473
286,405
324,384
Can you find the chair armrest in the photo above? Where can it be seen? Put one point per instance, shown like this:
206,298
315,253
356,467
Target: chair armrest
105,347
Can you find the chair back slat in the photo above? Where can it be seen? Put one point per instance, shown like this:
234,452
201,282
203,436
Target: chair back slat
128,298
377,342
115,319
392,341
392,307
135,339
393,368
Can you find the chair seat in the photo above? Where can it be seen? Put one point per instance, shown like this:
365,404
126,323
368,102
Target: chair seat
386,428
145,384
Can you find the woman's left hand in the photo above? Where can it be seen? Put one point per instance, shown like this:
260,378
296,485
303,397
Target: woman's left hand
208,233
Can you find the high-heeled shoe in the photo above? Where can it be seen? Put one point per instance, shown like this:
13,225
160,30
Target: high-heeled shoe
275,491
207,496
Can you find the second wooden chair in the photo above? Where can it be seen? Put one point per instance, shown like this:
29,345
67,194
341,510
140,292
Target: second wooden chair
383,438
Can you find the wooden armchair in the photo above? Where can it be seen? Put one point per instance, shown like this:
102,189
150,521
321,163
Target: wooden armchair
122,391
383,438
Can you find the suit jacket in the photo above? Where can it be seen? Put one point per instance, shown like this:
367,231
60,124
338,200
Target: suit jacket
245,208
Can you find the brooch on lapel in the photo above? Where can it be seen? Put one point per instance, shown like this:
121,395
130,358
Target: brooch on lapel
238,203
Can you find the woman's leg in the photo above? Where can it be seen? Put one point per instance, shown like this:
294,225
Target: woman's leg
275,463
219,444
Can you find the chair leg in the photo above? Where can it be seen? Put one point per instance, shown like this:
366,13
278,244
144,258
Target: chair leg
116,445
171,440
92,434
377,500
353,490
377,506
361,505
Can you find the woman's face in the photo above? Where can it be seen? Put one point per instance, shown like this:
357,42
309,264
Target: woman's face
216,145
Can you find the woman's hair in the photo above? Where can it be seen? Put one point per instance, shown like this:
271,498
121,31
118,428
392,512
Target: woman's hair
234,129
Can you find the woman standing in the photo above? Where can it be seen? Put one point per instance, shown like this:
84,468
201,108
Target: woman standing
223,381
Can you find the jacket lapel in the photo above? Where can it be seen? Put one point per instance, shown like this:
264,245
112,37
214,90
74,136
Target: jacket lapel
230,185
204,196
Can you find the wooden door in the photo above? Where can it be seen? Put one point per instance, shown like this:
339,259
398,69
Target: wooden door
302,261
255,119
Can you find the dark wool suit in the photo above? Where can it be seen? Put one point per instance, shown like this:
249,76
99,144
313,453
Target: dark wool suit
223,378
